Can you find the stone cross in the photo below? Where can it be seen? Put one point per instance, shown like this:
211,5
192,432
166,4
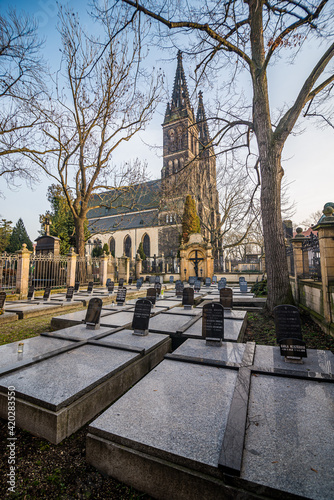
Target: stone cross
196,260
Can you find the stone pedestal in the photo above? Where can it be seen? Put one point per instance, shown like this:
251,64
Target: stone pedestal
124,268
325,228
71,267
22,274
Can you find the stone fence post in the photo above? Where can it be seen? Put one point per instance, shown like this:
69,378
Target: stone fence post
139,263
71,267
325,228
124,268
22,273
103,269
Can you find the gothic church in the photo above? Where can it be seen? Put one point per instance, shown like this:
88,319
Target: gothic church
154,209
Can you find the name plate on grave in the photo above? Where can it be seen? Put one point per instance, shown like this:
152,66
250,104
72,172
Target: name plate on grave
188,297
151,295
213,321
93,314
141,317
287,323
2,299
121,294
226,297
69,293
293,348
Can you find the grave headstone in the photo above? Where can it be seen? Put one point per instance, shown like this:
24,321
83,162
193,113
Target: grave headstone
93,314
171,279
188,298
151,295
192,280
47,292
138,284
76,286
121,295
120,282
147,279
207,282
141,317
69,293
197,285
130,280
213,323
221,284
226,298
152,280
179,289
214,279
90,287
158,279
243,286
2,300
288,332
241,279
31,292
111,286
107,282
157,287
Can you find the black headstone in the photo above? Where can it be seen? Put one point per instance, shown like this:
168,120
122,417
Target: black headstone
120,282
179,289
2,299
157,287
188,297
213,322
207,281
152,280
157,279
130,281
69,293
221,284
47,293
90,287
121,295
288,331
141,317
214,279
107,282
151,295
93,313
226,297
197,285
76,286
111,286
241,279
31,292
243,286
192,280
171,279
139,283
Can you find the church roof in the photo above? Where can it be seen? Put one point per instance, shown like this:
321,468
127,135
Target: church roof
180,106
144,196
124,221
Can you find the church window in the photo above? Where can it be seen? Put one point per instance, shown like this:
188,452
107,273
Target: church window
112,246
176,166
127,246
146,245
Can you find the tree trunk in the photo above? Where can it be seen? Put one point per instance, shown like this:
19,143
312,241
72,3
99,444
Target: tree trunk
80,235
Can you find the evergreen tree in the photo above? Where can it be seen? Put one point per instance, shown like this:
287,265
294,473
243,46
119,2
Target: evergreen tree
5,232
18,237
141,251
190,220
105,248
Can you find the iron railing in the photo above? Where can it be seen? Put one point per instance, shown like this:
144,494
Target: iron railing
48,271
8,270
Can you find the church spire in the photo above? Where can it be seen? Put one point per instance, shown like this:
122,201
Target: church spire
204,135
180,104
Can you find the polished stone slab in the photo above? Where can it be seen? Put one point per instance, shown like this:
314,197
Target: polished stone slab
126,338
233,330
33,348
289,440
228,352
172,412
73,318
117,319
180,310
169,323
115,308
317,361
78,332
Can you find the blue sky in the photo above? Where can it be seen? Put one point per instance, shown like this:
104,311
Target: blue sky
308,158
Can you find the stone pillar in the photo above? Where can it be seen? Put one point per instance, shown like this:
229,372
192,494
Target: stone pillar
183,262
124,268
103,269
209,262
297,243
139,262
22,273
325,228
71,267
111,267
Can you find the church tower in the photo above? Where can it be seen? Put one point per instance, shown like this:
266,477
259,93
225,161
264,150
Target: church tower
189,164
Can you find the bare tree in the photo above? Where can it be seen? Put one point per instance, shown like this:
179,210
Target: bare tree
21,82
249,35
98,105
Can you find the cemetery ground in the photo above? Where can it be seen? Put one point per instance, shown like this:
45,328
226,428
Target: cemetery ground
45,470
